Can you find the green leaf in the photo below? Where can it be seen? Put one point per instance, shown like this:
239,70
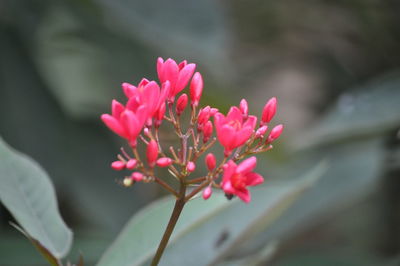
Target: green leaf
138,241
210,241
206,229
26,191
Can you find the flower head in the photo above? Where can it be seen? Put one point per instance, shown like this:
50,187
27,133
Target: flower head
232,130
237,178
177,74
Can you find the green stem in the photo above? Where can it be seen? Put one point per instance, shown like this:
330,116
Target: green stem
179,204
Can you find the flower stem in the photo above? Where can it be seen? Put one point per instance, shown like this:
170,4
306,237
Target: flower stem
179,204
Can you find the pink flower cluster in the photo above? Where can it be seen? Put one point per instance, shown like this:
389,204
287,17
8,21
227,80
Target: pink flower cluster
149,104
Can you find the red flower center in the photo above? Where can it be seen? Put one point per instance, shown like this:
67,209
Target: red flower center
238,181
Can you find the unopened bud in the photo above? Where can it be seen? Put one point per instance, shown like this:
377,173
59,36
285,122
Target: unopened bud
244,107
207,131
196,88
118,165
181,103
191,166
164,162
204,115
275,133
207,192
210,161
137,176
261,131
152,153
269,110
131,164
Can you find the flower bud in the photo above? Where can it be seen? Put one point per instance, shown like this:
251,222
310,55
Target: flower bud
244,107
204,115
210,161
207,131
152,153
181,103
261,131
269,110
164,162
131,164
196,88
275,133
118,165
207,192
137,176
191,166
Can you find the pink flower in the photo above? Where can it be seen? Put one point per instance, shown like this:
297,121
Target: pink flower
148,93
232,130
177,75
124,122
237,178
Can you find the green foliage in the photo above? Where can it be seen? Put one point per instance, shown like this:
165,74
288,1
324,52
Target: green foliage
28,194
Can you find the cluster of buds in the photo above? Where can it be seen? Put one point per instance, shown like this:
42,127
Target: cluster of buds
148,105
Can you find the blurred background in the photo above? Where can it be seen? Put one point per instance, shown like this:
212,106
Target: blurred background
333,65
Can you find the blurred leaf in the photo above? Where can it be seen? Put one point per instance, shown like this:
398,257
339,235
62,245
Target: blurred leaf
28,194
208,241
370,109
44,251
353,172
139,239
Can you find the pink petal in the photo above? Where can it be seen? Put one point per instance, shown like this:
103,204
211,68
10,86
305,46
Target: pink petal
227,187
142,115
133,104
226,137
254,179
244,195
129,89
183,78
114,125
151,93
242,136
234,114
171,72
250,122
116,109
160,69
229,170
130,122
247,166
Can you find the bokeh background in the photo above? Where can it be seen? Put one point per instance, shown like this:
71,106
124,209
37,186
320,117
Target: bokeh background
333,65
